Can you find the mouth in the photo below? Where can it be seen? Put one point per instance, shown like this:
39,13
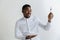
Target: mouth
27,16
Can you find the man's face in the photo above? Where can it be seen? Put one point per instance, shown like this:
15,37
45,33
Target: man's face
27,12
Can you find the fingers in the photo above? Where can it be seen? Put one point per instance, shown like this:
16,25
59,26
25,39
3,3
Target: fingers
30,36
34,35
50,16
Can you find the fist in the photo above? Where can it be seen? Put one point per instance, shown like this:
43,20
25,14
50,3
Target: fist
50,16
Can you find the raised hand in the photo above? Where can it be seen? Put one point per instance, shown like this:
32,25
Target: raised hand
50,16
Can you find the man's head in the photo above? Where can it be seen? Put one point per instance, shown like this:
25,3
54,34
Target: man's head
26,10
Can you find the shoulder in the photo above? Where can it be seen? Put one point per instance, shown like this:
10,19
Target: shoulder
19,20
36,18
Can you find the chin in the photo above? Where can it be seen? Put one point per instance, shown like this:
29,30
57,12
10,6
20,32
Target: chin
27,16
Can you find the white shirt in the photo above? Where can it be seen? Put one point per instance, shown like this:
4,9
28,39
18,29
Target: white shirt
26,26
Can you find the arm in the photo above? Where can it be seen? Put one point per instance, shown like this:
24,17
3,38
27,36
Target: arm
46,27
18,33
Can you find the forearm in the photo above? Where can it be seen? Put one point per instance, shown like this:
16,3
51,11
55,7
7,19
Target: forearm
46,27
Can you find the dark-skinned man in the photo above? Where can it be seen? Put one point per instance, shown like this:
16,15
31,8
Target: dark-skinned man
27,28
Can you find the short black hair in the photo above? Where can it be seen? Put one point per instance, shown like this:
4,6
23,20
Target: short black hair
26,5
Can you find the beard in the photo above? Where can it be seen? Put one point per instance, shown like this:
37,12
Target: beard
27,16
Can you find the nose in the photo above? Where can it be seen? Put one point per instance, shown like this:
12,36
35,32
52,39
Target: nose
27,12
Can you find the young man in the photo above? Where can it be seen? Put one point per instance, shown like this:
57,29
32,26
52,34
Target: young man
28,26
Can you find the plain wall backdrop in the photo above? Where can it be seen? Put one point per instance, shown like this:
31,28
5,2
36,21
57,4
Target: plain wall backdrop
10,12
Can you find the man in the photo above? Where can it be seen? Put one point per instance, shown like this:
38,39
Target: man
28,26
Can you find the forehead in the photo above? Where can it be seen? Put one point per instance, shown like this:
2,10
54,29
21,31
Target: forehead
27,8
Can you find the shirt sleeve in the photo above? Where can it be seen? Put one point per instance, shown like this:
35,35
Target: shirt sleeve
18,33
46,27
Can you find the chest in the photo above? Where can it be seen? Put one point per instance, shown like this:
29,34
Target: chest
29,26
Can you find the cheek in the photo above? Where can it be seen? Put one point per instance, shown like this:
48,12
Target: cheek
26,12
